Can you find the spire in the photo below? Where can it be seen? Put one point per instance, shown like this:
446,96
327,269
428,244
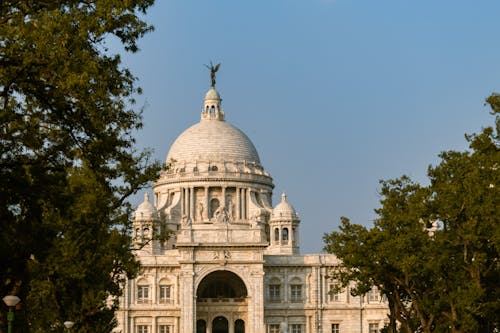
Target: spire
211,106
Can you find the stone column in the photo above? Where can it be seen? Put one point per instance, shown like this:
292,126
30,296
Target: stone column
188,310
191,203
182,201
205,212
243,204
280,235
255,320
238,204
153,327
223,199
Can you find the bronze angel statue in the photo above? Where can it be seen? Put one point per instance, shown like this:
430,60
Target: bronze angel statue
213,69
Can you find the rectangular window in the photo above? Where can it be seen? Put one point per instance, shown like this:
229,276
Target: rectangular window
142,294
274,328
296,293
165,294
373,295
274,293
142,328
334,296
165,329
335,328
296,328
373,328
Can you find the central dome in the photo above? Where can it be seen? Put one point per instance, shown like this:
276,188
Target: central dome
212,141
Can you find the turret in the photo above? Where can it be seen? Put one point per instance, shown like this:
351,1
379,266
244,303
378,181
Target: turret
284,229
145,224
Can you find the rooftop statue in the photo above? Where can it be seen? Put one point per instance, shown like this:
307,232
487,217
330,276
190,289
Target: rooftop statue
213,69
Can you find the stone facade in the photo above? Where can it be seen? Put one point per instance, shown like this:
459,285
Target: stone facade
233,262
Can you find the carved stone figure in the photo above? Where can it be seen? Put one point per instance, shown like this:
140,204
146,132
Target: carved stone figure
200,211
230,208
221,215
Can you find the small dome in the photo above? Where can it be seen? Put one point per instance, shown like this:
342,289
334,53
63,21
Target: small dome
146,211
212,94
284,210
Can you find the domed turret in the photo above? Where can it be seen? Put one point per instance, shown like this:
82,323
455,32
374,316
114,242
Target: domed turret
284,210
146,211
145,218
284,225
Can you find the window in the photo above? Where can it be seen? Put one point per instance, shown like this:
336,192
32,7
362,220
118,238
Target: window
334,295
335,328
274,328
274,293
296,328
276,234
373,295
165,329
296,293
284,235
165,294
373,328
142,294
142,329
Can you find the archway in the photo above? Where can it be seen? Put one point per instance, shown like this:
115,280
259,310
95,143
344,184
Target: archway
222,302
221,284
201,326
239,326
220,325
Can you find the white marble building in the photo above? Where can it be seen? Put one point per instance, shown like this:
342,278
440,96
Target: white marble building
233,264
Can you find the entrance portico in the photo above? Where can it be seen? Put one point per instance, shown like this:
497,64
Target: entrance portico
221,303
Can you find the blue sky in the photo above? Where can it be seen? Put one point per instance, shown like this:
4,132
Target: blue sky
334,94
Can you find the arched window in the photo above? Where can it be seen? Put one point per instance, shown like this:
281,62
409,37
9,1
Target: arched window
284,235
275,290
239,326
201,326
214,204
165,291
142,291
276,234
296,290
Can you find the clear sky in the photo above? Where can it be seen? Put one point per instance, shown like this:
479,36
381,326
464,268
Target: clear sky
334,94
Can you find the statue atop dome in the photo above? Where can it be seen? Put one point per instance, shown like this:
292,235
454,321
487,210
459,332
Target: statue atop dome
213,69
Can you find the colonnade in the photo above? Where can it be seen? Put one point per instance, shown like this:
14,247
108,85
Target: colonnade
194,209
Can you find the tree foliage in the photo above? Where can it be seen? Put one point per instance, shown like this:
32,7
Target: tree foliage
67,158
435,280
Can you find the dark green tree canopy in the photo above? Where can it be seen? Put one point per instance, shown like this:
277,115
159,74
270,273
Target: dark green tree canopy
67,158
433,250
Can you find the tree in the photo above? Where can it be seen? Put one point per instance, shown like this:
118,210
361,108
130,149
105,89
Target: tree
67,158
443,280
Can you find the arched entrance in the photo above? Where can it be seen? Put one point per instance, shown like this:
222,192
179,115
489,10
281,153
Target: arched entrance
220,325
239,326
201,326
221,303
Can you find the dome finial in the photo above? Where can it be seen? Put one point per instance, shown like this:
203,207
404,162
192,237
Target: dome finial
213,69
146,197
283,197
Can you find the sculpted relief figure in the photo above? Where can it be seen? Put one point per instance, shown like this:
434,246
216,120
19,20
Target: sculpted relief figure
230,208
200,211
221,215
